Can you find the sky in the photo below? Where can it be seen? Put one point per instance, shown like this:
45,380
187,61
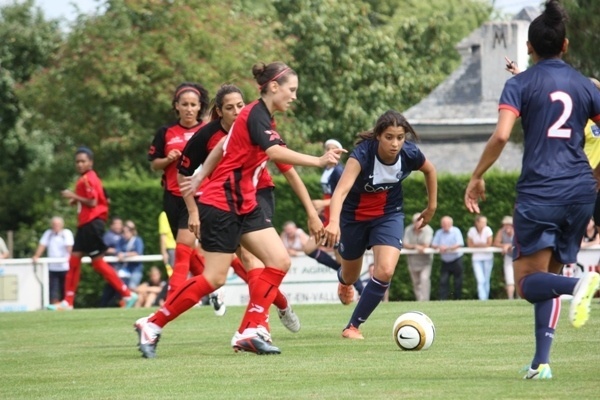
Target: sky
66,8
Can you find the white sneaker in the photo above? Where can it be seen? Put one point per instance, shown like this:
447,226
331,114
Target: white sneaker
148,336
289,319
216,299
254,340
582,297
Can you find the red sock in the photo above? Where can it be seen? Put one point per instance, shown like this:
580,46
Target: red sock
72,279
280,301
186,297
196,263
253,274
110,275
181,268
262,293
239,269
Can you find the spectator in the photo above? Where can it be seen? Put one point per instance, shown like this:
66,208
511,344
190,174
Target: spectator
4,253
59,243
417,237
447,240
590,237
131,245
480,236
167,242
149,291
111,239
504,240
294,239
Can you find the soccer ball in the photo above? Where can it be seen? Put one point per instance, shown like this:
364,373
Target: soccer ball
413,331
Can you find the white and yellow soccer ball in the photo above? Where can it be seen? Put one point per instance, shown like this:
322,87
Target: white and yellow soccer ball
414,331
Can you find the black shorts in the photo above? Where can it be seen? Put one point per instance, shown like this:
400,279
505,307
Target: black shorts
177,213
221,231
256,220
88,238
266,201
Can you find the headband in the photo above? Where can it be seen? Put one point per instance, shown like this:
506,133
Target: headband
279,75
333,142
186,89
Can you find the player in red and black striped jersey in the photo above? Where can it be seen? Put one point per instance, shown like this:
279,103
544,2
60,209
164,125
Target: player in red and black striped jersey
190,102
196,153
92,207
230,216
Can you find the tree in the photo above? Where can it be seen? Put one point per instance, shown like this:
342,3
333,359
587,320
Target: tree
28,43
111,86
584,36
354,64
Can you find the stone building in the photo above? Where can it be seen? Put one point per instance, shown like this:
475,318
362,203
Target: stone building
456,119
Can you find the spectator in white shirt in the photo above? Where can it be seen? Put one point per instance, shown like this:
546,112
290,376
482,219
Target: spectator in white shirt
59,243
481,235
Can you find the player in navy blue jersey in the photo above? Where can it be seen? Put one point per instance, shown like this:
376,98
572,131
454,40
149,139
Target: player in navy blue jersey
556,190
366,210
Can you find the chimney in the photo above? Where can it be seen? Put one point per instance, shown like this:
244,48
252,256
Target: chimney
500,39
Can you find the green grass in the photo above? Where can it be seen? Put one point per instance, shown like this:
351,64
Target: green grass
477,354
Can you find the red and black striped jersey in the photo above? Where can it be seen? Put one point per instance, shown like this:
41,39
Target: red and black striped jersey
233,183
167,138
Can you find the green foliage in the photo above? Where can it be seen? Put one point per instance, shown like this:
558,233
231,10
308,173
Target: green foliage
583,34
351,70
116,73
501,196
27,44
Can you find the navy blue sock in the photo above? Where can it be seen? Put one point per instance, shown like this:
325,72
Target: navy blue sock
325,259
369,300
544,286
359,286
339,276
546,318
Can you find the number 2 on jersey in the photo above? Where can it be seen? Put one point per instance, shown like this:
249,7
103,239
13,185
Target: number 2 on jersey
557,130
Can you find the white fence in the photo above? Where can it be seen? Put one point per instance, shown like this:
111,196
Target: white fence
24,286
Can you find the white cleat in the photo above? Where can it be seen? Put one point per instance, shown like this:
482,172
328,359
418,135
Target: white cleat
289,319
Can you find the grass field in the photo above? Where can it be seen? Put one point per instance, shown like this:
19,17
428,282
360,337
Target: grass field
477,354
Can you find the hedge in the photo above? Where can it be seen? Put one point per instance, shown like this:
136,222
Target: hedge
141,201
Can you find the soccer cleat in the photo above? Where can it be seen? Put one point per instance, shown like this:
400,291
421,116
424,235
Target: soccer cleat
148,336
62,306
582,297
289,319
352,332
130,300
543,371
217,304
345,293
254,340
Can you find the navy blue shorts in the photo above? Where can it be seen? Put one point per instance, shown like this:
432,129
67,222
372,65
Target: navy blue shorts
559,227
358,236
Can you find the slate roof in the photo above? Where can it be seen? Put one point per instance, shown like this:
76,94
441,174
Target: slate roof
456,109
